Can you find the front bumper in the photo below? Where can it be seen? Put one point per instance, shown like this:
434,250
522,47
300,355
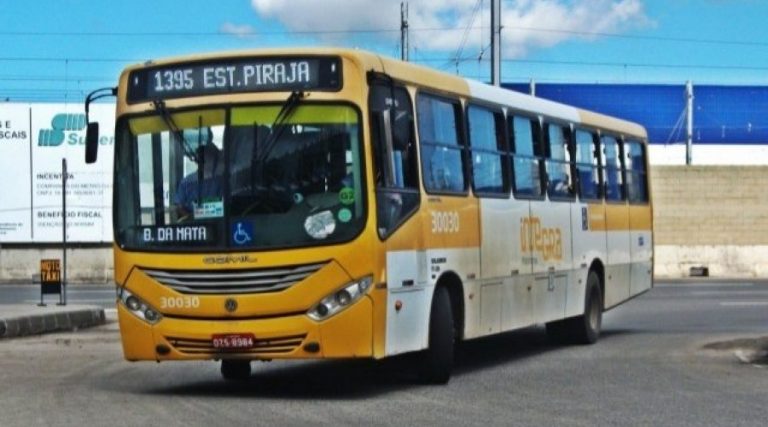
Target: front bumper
348,334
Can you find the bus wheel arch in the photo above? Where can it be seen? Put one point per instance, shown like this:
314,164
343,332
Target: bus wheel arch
445,317
584,328
452,283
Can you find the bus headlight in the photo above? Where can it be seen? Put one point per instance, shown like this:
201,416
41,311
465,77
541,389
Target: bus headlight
340,299
138,307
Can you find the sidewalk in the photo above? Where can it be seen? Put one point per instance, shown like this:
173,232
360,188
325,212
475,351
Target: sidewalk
26,319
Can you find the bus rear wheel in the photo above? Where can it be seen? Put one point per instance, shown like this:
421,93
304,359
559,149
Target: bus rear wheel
583,329
234,369
436,362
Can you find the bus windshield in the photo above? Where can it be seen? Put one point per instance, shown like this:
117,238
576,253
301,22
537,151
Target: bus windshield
239,179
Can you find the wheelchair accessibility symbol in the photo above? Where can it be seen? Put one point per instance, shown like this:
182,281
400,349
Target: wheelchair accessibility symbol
242,233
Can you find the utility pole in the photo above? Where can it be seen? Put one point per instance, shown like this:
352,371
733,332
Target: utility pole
404,31
63,291
689,122
496,42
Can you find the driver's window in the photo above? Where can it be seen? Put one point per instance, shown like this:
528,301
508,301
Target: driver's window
396,165
180,172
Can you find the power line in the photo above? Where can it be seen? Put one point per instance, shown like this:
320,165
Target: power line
606,64
443,61
54,79
50,59
207,33
465,36
640,65
373,31
637,37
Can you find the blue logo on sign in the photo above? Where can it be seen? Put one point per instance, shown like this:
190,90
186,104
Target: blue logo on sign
60,124
640,241
242,233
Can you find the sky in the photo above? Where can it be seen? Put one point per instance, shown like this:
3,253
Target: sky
59,50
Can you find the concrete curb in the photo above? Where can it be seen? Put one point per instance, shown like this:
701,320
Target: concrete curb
53,321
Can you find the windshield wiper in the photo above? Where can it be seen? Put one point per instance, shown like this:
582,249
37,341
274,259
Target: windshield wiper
174,129
277,128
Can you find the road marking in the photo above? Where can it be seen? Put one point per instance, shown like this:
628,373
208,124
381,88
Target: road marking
744,303
730,292
702,284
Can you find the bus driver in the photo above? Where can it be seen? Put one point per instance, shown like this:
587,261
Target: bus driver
201,188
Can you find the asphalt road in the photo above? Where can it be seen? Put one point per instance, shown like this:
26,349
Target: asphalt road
648,369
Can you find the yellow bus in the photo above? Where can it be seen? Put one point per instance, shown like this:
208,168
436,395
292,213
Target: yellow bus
330,203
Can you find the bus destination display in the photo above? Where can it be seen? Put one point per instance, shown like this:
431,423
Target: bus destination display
234,76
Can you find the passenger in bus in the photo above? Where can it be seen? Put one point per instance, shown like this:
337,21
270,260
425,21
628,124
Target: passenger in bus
203,185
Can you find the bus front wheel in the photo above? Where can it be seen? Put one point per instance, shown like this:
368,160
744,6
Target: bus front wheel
233,369
437,360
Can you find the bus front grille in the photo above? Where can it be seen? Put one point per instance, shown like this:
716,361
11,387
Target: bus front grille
226,282
275,345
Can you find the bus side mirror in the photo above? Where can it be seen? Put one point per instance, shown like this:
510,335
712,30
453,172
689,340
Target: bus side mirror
92,132
91,142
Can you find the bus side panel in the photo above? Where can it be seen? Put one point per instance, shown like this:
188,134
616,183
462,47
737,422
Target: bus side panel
617,270
642,249
588,246
452,235
550,228
409,295
505,296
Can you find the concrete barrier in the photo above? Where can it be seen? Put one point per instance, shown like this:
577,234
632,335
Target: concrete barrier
23,320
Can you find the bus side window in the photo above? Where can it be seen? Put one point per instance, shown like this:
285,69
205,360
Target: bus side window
396,165
486,140
442,157
559,183
526,157
587,166
612,173
636,173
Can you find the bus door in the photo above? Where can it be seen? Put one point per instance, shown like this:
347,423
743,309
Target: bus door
617,270
550,226
398,198
527,188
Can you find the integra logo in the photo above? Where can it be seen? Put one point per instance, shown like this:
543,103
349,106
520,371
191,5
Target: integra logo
229,259
60,124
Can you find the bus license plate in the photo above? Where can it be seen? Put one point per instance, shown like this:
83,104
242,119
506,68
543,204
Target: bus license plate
233,340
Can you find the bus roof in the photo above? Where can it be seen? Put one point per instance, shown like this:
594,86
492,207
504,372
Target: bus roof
435,80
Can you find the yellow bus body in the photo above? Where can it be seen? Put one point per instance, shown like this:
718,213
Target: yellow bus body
279,320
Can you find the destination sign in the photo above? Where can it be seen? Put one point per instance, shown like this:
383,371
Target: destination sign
238,75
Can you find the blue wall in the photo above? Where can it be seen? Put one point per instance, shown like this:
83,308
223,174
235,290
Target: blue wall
722,114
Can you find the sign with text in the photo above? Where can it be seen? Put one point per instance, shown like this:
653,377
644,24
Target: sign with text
50,276
34,138
15,150
236,75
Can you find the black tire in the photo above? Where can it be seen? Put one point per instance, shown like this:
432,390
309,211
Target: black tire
436,362
583,329
586,327
235,370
